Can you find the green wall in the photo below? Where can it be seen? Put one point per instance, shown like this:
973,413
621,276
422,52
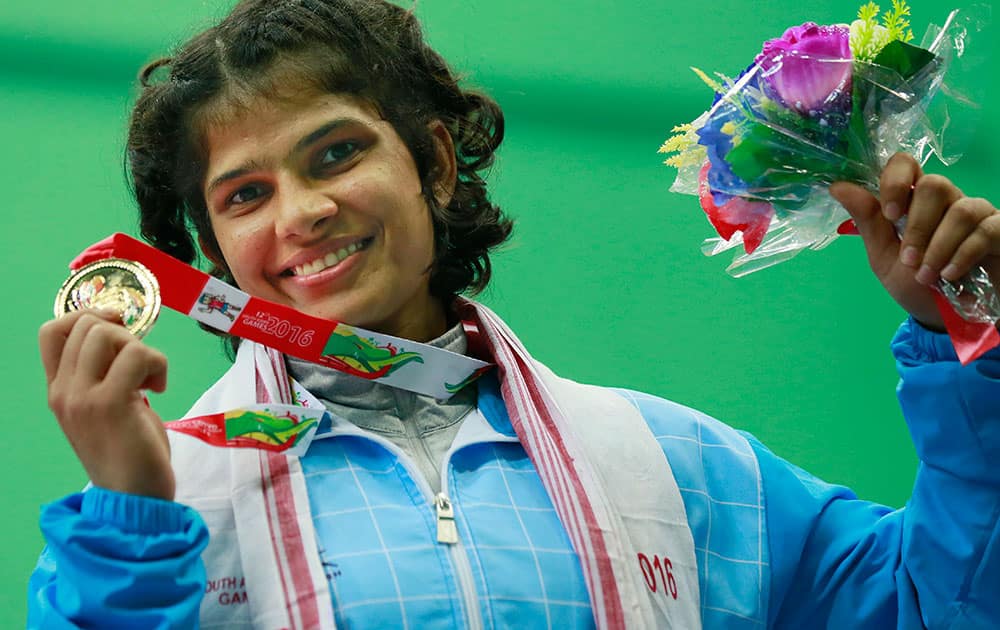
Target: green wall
603,279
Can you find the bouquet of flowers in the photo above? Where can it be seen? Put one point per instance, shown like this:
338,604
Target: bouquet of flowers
822,104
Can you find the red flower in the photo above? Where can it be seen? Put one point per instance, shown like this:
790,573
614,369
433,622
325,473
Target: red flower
752,218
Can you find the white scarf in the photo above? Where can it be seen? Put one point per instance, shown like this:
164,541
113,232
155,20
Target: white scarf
607,476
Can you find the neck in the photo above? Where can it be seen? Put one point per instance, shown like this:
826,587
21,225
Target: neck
430,323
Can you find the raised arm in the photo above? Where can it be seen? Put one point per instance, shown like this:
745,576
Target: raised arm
122,554
841,562
838,561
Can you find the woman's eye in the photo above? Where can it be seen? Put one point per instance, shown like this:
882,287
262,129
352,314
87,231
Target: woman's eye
337,153
245,194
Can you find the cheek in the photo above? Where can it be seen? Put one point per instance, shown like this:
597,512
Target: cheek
428,235
243,245
417,233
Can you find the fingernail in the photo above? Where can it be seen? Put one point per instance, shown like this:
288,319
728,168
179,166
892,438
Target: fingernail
909,256
891,211
950,272
926,275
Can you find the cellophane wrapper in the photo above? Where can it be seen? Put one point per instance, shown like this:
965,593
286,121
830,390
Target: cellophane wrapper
773,146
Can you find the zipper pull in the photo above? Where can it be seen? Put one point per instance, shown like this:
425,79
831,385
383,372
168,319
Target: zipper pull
447,532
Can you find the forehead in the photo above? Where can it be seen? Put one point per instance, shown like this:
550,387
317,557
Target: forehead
232,131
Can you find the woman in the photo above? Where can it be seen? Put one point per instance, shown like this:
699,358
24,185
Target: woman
326,159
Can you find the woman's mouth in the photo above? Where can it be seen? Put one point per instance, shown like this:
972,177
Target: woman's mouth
330,260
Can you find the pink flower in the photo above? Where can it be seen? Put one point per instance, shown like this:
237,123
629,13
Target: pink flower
808,68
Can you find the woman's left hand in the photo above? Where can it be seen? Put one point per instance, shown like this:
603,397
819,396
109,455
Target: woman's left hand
947,234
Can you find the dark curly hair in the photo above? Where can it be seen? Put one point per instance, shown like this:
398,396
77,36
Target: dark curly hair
367,48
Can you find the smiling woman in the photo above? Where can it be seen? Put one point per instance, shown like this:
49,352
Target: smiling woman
324,158
326,213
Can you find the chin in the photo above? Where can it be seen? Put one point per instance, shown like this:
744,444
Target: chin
346,314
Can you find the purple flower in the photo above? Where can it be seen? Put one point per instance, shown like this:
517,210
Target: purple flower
808,68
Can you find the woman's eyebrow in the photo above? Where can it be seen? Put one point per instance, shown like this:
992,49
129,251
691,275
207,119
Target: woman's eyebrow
233,174
303,144
319,133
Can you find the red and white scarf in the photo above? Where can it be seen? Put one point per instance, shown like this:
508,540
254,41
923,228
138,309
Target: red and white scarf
608,479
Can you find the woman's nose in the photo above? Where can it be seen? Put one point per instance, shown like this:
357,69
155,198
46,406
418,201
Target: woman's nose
303,211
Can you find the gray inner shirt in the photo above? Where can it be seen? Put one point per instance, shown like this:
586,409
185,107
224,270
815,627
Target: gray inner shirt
423,427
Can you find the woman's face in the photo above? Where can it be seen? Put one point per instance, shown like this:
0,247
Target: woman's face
316,203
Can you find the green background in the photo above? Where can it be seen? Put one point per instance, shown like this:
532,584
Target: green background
603,280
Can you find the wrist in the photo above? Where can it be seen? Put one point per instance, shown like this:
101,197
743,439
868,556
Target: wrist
133,513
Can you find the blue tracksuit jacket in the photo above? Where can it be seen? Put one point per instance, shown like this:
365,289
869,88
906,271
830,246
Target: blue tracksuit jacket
776,547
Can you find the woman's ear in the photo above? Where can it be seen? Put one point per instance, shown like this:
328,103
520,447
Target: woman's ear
445,163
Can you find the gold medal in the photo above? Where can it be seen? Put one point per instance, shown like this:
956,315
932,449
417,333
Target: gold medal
113,283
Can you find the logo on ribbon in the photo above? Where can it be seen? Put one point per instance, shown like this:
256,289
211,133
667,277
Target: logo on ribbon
213,303
348,352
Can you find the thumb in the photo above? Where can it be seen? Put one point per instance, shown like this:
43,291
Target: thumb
877,232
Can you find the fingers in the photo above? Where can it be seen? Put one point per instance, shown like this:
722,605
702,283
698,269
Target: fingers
89,349
859,203
932,197
99,347
969,232
96,370
138,366
901,172
84,351
946,233
54,334
877,232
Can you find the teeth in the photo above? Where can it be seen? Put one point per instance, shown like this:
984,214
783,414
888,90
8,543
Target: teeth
330,260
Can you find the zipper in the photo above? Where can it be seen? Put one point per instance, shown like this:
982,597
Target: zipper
444,513
447,532
459,558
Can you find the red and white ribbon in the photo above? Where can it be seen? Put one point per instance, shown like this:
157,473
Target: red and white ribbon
403,363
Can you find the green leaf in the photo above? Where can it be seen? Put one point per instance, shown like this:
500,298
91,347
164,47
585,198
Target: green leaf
769,161
868,12
905,59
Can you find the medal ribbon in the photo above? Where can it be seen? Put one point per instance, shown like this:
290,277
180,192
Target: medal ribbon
409,365
277,428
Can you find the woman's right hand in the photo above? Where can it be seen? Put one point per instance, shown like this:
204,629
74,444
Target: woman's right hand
96,371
